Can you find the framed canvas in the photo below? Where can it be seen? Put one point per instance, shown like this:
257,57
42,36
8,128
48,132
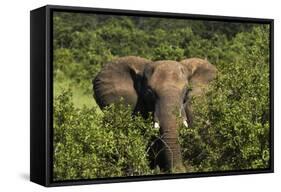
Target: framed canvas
123,95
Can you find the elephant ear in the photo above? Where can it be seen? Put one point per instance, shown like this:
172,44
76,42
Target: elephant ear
118,79
199,72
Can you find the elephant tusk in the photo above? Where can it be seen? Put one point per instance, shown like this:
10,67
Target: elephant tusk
185,123
156,125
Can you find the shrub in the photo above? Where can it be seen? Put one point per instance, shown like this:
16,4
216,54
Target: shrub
168,52
89,144
231,122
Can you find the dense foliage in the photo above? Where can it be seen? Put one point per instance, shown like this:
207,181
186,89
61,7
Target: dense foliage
88,144
231,121
231,125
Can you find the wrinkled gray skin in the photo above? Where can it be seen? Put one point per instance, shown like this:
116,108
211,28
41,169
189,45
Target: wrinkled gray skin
160,87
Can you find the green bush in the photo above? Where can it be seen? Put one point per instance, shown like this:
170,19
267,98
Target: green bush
89,144
168,52
231,122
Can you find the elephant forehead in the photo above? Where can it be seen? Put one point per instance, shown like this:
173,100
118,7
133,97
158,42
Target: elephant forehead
172,65
168,77
170,88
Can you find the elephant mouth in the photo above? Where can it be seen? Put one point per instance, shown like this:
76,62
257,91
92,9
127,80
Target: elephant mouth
157,125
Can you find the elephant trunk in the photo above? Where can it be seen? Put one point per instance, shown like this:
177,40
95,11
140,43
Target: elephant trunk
169,134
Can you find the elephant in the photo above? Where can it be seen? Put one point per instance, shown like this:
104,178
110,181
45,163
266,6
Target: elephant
160,88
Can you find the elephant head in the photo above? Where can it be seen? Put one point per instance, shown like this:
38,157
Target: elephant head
160,87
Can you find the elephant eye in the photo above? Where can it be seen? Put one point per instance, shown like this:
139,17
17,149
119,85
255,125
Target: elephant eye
150,93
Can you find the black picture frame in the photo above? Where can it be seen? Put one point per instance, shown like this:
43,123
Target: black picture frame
41,93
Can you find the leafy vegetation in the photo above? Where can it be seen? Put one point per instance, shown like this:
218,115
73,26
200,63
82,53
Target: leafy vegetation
231,121
90,144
